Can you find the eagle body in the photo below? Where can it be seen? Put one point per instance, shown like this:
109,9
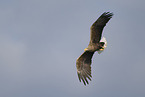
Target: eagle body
83,63
94,47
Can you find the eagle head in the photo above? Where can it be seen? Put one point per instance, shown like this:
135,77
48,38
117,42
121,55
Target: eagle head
105,45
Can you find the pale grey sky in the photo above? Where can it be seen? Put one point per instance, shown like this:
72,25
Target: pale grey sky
40,41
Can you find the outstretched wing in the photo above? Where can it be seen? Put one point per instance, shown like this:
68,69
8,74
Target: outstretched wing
83,64
98,25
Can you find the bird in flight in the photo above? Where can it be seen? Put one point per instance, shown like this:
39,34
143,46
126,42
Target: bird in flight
83,63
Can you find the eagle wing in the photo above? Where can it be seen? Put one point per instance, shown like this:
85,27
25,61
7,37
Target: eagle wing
83,64
98,25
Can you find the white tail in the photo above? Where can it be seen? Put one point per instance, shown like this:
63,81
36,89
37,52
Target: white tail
105,45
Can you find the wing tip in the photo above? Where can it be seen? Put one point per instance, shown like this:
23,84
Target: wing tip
108,14
83,78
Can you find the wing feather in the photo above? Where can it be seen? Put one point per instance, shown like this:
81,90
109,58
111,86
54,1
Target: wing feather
98,25
84,67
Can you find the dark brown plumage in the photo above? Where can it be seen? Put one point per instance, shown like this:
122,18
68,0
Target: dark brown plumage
83,63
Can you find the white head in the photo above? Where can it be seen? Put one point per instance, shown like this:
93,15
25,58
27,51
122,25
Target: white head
105,45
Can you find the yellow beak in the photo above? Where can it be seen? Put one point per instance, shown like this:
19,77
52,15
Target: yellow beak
102,48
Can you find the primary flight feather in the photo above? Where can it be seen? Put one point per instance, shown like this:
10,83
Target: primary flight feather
83,63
